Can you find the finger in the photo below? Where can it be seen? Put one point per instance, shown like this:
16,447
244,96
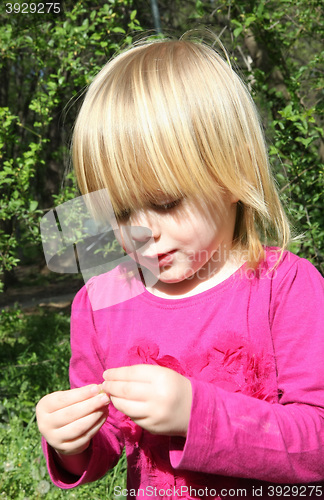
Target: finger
135,373
73,446
63,399
79,410
82,426
132,409
135,391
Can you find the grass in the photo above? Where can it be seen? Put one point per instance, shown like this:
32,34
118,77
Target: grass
34,358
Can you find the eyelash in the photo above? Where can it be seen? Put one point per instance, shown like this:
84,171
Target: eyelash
165,207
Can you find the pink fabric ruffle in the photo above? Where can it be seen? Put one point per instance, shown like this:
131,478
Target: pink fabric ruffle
234,366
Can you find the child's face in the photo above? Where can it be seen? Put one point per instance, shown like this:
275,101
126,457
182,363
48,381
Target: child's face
191,240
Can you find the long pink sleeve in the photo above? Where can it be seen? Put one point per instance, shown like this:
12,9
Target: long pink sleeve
240,436
86,367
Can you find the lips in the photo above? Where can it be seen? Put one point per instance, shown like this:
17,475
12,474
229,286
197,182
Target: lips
163,258
166,253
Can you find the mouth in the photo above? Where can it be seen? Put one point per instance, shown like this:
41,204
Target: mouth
163,258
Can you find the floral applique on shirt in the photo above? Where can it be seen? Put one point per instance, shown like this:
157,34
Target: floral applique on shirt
235,367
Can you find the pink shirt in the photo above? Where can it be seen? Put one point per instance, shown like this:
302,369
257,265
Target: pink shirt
253,348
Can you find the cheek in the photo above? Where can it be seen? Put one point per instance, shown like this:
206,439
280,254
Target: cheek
190,228
202,234
194,233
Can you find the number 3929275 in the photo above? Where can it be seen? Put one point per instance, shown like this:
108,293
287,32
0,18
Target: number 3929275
33,8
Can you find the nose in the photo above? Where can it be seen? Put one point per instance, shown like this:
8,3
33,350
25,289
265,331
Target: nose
145,225
140,234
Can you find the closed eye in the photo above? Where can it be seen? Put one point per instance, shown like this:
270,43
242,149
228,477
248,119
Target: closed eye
125,214
164,207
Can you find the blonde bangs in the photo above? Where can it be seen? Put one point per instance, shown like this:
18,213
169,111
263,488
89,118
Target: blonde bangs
137,132
173,117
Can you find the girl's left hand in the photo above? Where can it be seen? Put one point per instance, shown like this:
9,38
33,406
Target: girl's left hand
156,398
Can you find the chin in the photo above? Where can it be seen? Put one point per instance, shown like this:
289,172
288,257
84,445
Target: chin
173,279
170,281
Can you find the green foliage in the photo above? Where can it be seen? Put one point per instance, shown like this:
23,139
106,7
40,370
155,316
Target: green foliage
45,62
31,366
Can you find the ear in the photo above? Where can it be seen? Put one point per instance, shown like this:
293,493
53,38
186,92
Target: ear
234,198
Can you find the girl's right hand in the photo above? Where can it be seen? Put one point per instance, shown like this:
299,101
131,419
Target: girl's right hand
68,420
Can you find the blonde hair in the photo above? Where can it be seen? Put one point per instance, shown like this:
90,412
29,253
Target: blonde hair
172,115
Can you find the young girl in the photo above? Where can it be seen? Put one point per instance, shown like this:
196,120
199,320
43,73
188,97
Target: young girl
212,378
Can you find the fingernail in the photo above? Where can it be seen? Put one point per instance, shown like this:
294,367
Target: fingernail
95,389
104,398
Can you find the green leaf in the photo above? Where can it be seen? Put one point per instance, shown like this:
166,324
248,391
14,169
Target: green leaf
117,29
238,31
33,205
